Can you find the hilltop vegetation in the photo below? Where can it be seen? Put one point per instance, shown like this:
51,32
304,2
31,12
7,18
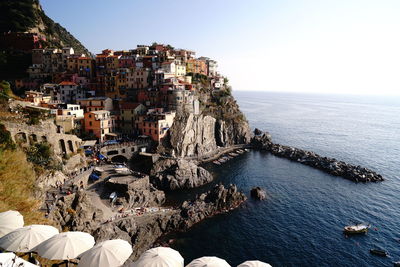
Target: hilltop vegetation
28,16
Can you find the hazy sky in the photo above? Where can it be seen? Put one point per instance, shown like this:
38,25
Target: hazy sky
327,46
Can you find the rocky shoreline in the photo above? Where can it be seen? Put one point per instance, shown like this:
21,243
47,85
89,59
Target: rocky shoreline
332,166
143,232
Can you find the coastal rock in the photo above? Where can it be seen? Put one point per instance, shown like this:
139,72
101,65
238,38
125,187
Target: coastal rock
257,131
329,165
217,200
135,191
76,212
263,141
231,132
258,193
171,174
143,231
192,135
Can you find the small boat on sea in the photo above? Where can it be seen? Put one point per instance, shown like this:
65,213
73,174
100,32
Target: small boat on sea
379,252
356,229
216,162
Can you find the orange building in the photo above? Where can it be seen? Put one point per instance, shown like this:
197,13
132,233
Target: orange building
99,124
196,66
155,124
83,66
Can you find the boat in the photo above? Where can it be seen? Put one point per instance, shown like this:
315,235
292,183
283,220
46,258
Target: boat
379,252
396,264
120,169
216,162
356,229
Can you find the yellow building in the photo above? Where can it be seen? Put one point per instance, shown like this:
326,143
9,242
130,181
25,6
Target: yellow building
129,114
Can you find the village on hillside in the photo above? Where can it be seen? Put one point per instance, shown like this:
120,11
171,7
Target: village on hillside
115,95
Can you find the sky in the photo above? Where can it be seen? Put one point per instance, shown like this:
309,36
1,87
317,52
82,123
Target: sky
331,46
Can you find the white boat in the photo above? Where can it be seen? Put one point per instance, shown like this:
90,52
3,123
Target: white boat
122,170
356,229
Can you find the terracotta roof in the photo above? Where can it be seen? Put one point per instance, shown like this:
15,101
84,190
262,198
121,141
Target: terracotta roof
67,83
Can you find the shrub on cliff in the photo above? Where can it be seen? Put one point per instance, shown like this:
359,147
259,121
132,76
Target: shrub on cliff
41,155
6,141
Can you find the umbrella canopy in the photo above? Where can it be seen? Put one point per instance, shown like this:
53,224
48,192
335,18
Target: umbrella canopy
159,257
111,253
208,262
9,221
10,260
65,246
254,264
26,238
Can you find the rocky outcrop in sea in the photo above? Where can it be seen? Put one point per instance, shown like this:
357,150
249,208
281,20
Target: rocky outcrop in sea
172,174
326,164
258,193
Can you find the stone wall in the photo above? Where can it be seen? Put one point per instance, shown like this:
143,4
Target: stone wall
44,131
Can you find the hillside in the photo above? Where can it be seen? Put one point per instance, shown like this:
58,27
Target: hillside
28,16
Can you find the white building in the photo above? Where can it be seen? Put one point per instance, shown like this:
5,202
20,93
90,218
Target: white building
70,92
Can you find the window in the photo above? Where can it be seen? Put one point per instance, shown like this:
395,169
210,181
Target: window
90,115
90,123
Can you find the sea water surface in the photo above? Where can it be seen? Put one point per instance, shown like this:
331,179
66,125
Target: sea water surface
301,222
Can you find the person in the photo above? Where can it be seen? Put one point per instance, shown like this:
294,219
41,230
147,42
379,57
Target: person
32,259
81,185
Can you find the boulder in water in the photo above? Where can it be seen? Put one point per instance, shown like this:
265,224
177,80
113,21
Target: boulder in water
258,193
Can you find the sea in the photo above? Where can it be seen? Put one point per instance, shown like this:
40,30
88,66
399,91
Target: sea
301,221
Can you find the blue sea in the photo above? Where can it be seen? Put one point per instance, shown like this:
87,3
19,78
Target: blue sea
301,222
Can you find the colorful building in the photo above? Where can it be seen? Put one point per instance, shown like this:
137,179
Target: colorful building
129,113
99,124
155,124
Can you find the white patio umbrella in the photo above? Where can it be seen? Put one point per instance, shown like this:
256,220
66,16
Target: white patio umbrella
11,260
9,221
208,262
254,264
159,257
26,238
111,253
65,246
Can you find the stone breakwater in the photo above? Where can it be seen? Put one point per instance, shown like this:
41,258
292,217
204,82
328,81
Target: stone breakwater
326,164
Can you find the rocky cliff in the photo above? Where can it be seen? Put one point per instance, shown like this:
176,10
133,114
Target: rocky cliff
219,124
192,135
28,16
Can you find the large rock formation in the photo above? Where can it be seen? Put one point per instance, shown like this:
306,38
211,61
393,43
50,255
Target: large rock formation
76,212
171,174
135,191
329,165
220,124
192,135
217,200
